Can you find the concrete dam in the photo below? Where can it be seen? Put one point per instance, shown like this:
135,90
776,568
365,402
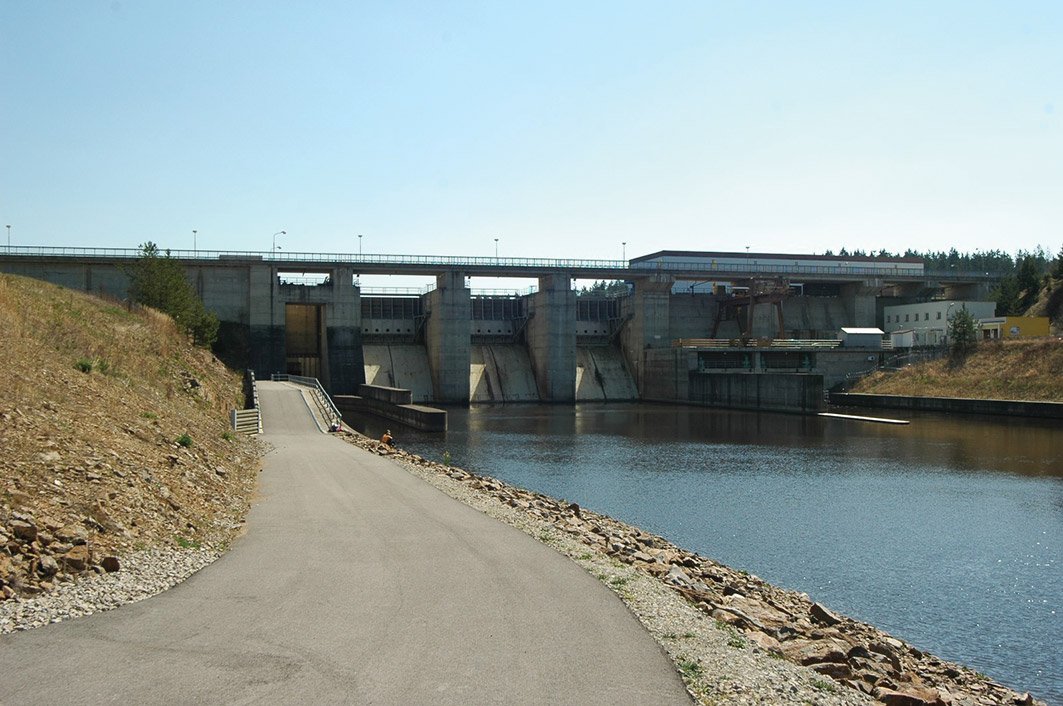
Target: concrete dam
455,345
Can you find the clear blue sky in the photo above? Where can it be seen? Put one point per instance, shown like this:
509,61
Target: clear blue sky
561,128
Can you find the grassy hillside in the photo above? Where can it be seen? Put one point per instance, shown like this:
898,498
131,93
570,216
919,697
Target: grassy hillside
1050,303
114,434
1009,370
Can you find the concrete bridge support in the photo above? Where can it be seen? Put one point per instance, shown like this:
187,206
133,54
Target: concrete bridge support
447,338
551,336
646,314
265,321
860,304
342,354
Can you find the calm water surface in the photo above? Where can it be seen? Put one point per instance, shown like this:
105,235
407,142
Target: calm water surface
946,533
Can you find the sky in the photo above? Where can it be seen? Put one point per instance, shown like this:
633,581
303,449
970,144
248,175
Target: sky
589,129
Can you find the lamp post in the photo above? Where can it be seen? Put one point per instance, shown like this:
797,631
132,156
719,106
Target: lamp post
623,251
496,248
194,232
279,232
359,245
9,237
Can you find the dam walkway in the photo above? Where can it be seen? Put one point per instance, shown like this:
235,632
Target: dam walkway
355,583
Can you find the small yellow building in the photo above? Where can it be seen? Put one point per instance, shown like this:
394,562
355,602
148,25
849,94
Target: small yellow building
998,327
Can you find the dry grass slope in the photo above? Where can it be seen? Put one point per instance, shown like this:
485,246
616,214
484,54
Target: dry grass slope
96,398
1006,370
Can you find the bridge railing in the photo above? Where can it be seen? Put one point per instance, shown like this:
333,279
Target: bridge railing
622,268
799,343
324,403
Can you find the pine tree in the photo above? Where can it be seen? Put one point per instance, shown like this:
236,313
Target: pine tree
963,335
158,280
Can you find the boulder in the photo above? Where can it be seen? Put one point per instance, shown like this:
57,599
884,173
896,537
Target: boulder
765,642
910,697
809,652
821,615
26,531
72,534
110,564
48,566
762,613
7,569
78,558
677,577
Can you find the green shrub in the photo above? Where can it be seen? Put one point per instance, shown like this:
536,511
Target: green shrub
184,440
84,365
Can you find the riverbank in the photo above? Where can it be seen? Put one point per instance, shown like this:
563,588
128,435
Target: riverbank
1030,370
739,640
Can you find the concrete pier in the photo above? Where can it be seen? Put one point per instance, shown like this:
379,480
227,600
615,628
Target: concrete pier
552,339
447,338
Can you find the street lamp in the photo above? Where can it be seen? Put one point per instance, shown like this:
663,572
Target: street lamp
496,248
9,237
279,232
194,232
623,251
359,245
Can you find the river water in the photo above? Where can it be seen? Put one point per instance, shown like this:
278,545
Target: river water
947,532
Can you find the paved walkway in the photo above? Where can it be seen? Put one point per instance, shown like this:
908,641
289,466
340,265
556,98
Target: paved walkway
355,583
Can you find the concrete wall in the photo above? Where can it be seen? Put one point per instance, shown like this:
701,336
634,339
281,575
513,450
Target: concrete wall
667,374
601,374
771,392
502,372
411,415
1009,408
647,324
447,338
551,336
402,365
691,315
860,305
815,317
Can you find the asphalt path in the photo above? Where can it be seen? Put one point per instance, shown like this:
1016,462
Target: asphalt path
354,583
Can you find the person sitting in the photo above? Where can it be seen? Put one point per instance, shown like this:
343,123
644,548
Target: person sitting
387,438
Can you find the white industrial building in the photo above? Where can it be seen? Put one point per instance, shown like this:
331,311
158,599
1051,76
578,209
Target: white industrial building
928,321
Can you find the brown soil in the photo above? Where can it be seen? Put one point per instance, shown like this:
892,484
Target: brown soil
96,396
1004,370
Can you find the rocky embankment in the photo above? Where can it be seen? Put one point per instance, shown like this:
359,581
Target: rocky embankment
754,616
115,447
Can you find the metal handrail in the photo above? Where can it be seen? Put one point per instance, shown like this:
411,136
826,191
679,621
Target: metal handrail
400,291
322,397
756,343
338,258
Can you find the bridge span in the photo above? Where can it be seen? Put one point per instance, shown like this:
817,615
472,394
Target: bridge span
452,344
